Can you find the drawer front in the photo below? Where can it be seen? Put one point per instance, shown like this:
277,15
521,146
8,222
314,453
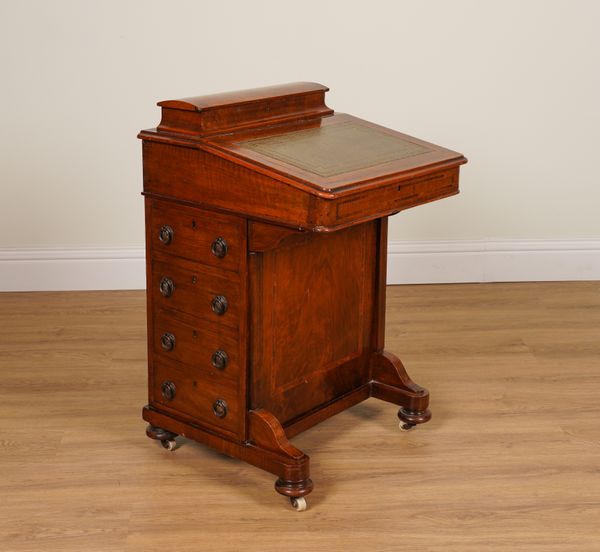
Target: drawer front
180,388
190,288
191,233
210,352
401,196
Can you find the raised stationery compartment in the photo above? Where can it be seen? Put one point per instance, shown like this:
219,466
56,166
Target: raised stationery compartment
202,115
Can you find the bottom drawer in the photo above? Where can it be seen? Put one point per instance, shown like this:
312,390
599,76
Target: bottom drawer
181,388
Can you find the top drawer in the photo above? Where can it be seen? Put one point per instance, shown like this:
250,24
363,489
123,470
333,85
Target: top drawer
191,233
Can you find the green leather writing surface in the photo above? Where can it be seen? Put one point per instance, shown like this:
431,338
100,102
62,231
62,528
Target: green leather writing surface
335,149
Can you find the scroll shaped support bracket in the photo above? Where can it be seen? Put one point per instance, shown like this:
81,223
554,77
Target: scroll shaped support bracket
391,383
267,433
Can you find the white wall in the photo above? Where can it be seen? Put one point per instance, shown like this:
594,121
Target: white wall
514,85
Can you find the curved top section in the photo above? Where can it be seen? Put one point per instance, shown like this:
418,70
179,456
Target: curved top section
213,101
205,115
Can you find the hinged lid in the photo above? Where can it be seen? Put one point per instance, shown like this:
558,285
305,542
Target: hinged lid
288,133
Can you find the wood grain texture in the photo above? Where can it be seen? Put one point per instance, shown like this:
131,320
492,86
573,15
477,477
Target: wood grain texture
307,307
185,316
312,322
509,462
192,235
291,160
270,105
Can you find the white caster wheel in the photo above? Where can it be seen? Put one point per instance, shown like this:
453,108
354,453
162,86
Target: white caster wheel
406,427
298,503
169,444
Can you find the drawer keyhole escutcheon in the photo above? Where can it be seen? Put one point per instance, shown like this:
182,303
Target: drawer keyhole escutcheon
165,234
219,247
167,341
219,305
166,286
220,408
220,359
168,390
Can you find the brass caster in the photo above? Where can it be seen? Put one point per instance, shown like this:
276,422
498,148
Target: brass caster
298,503
404,426
169,444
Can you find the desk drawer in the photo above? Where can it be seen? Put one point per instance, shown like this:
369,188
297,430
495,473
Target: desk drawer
178,387
204,236
191,288
209,351
397,197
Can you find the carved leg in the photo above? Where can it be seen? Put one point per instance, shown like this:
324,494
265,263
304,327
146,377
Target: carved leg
166,438
391,383
389,380
268,434
267,447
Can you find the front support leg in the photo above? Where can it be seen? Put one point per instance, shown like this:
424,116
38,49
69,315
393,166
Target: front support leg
267,447
391,383
267,433
389,380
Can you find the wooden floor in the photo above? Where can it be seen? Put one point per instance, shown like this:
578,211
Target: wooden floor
510,461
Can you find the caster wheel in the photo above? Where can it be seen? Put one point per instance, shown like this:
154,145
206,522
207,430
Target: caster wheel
169,444
405,426
298,503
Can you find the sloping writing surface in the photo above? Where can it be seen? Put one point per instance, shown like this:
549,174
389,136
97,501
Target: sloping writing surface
335,149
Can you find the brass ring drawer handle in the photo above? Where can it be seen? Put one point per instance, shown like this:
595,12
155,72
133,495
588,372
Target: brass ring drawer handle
165,234
167,341
220,408
219,305
219,247
166,286
168,390
220,359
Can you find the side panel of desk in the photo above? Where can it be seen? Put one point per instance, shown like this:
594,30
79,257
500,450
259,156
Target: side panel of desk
312,305
194,176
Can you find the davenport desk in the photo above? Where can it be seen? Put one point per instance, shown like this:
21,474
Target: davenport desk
266,237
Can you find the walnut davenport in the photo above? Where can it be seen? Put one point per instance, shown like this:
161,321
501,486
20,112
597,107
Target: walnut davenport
266,237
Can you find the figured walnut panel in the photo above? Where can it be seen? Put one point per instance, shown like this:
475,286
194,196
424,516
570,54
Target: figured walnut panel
397,197
313,322
195,342
194,232
195,395
192,175
194,287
